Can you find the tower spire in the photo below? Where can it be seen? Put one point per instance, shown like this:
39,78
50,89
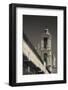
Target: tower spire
46,30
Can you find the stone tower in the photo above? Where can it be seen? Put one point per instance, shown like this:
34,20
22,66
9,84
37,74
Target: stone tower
46,50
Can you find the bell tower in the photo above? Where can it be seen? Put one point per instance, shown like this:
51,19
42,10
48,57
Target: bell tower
46,50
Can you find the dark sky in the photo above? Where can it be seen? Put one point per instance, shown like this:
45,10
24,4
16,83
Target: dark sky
34,26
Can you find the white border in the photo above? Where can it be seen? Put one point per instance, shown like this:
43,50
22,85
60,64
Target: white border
19,28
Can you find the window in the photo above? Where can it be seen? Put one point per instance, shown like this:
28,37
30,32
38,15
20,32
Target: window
45,42
45,57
